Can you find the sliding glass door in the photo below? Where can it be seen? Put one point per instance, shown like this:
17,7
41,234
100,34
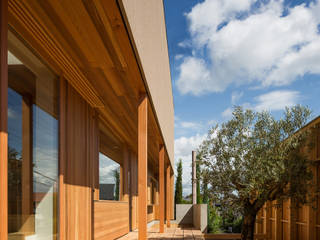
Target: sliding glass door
32,145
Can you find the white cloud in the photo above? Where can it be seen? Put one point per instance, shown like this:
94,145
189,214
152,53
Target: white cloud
193,125
183,150
178,56
235,97
264,48
227,113
276,100
271,101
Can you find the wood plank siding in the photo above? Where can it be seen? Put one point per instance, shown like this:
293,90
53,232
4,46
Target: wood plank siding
89,48
111,219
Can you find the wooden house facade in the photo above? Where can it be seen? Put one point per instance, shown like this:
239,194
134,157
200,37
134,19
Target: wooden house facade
86,119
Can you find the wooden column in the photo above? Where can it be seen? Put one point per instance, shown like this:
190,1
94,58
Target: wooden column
292,231
3,120
26,171
268,222
125,177
62,157
311,213
172,195
142,165
168,195
278,221
161,192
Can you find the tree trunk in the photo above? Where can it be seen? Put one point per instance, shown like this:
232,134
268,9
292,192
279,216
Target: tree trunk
249,221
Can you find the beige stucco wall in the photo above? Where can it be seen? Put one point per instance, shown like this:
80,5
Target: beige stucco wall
146,24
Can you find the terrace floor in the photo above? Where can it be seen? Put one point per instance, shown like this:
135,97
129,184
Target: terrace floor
173,233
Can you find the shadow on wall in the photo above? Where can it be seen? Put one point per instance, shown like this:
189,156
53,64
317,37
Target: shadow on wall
192,215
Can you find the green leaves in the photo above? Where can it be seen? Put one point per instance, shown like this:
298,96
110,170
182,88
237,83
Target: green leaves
253,157
178,189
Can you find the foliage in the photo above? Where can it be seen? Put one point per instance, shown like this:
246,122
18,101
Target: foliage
251,159
214,220
205,190
178,189
198,176
116,176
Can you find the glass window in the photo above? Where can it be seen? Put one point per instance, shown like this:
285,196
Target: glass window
33,145
109,178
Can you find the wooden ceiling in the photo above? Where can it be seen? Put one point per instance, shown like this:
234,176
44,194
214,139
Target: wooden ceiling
88,44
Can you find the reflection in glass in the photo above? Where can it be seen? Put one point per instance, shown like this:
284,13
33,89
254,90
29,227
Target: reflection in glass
33,145
109,178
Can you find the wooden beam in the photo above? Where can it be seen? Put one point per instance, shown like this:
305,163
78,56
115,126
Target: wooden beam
62,157
142,165
161,183
3,120
26,172
168,195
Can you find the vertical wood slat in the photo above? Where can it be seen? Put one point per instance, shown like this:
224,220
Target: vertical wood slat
168,194
292,226
268,221
278,223
3,120
142,165
161,190
62,157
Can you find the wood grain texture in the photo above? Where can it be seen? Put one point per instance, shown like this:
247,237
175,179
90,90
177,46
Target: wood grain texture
3,120
62,157
81,130
161,189
143,165
168,195
26,22
111,219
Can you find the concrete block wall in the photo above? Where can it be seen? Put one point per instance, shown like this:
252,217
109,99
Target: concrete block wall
196,215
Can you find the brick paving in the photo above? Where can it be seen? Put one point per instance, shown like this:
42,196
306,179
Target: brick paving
172,233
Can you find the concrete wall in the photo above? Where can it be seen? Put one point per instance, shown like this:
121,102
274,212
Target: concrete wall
196,215
146,24
184,214
200,217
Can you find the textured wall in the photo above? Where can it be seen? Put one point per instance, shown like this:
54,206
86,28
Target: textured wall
184,214
146,23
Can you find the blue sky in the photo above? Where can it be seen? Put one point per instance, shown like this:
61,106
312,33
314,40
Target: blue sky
262,55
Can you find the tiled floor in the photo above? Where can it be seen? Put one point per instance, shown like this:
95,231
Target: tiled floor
172,233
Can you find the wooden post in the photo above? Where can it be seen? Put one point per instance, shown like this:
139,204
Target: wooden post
268,223
172,195
26,173
3,120
142,165
62,156
292,231
168,195
125,172
278,221
161,192
311,213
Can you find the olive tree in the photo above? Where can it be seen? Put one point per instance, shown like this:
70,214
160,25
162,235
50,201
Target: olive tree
252,158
